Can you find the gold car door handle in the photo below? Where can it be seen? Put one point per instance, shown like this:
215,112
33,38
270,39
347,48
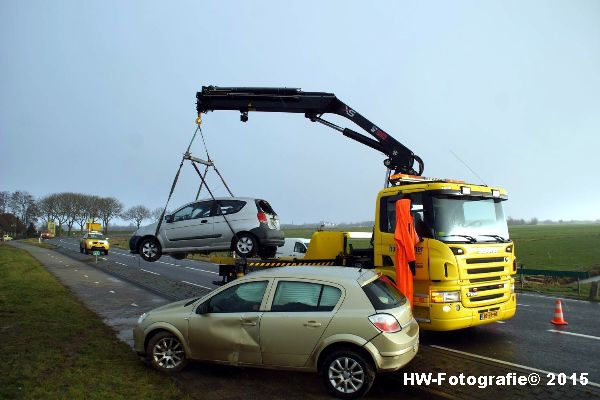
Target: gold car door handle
249,323
312,324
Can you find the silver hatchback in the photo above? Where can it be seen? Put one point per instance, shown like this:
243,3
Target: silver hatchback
247,226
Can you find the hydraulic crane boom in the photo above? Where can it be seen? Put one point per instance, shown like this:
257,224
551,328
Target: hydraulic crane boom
313,105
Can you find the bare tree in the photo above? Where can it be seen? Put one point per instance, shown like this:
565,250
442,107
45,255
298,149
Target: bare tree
22,204
47,207
156,213
137,214
108,208
63,209
4,199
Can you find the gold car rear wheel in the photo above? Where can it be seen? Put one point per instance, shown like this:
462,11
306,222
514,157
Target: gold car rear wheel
347,375
166,353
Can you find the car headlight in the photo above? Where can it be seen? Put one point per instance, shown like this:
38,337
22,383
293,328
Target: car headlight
445,297
142,318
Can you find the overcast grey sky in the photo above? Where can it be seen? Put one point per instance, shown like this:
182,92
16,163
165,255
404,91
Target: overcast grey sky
99,97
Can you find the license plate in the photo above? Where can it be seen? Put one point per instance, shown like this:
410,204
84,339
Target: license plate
488,315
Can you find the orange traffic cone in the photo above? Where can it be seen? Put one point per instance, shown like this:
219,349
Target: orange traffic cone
558,315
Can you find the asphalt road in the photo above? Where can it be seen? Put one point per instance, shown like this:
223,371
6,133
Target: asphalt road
528,341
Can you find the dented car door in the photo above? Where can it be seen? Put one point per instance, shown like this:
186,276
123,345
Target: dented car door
226,326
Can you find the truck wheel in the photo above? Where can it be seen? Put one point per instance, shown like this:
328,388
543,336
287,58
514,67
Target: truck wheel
245,245
150,249
347,375
267,252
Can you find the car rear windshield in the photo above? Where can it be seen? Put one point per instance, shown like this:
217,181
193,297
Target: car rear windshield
383,295
265,207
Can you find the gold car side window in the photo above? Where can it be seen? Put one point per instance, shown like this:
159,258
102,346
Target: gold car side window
304,296
245,297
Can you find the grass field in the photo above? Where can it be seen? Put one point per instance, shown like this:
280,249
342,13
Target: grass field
55,348
558,247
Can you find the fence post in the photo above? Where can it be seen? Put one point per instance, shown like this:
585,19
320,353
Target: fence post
595,291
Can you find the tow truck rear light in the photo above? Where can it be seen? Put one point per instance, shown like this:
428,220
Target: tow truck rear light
385,323
262,217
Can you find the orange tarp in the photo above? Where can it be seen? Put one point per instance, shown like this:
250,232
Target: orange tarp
406,238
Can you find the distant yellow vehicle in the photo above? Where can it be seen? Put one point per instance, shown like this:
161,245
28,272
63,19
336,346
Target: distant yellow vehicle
94,241
6,238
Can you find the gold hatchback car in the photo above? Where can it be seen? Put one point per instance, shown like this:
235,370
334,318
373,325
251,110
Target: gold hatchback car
345,323
94,241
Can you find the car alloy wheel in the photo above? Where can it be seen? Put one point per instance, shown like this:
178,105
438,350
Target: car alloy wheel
166,353
346,375
245,245
150,250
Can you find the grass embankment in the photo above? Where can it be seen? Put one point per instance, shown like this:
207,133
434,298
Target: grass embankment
55,348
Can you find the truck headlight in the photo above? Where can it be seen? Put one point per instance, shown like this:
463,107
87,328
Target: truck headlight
445,297
512,287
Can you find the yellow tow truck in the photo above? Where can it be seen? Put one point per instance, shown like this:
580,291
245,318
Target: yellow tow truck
465,261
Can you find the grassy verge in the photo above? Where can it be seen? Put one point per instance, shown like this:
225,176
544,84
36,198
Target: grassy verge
42,244
53,347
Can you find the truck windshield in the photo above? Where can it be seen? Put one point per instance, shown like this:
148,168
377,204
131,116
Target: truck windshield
469,219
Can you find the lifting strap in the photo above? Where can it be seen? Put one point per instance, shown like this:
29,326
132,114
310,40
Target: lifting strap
188,156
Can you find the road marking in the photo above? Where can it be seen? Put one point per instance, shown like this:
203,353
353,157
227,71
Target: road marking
574,334
195,284
135,305
75,270
150,272
103,258
202,270
162,262
96,283
541,371
500,322
111,291
86,276
523,305
116,262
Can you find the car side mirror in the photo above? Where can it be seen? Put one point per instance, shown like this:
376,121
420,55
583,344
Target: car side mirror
202,308
169,218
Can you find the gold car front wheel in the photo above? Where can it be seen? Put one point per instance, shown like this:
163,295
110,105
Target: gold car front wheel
166,353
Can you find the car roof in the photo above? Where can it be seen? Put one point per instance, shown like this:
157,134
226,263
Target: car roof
327,273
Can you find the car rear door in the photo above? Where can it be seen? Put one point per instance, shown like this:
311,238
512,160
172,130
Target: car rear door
300,312
237,216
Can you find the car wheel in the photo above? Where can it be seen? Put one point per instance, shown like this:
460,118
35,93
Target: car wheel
245,245
105,252
178,256
150,249
166,353
347,375
267,252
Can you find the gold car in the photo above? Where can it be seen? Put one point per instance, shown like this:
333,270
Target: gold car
344,323
94,241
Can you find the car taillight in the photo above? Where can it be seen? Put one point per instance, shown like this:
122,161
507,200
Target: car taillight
262,217
385,323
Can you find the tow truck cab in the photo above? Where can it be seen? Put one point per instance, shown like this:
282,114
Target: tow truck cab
465,261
